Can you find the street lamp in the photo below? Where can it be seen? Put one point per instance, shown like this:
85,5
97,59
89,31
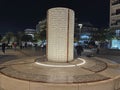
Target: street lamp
80,26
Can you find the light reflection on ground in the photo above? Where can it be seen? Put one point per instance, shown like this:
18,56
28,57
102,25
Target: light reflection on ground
73,65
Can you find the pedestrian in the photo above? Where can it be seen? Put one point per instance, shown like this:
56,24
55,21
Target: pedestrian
15,45
21,45
79,49
42,46
3,47
35,45
98,49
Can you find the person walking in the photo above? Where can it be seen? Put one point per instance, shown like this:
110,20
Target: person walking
15,45
79,49
98,49
3,47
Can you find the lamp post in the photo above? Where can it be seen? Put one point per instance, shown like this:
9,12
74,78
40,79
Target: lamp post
80,26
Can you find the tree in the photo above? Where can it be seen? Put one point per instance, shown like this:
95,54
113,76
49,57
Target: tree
0,37
8,36
43,35
110,33
19,36
27,38
36,36
76,33
103,34
43,28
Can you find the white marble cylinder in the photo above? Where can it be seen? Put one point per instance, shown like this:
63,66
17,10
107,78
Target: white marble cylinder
60,34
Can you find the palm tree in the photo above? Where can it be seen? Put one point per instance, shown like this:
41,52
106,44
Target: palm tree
27,38
9,36
19,36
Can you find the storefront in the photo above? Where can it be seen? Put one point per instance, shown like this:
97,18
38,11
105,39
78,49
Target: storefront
115,43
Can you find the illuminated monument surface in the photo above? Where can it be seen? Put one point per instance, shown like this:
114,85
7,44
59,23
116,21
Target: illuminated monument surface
60,34
59,70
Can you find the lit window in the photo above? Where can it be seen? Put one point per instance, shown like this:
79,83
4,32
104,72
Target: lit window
117,32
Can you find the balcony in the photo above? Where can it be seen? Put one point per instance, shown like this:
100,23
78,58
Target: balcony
112,24
118,22
116,2
115,25
115,15
112,14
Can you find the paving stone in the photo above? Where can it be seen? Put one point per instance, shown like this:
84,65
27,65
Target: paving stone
20,67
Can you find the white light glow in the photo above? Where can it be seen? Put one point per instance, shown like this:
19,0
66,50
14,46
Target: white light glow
80,25
115,44
50,65
83,62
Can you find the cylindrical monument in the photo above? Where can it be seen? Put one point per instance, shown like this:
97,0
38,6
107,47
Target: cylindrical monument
60,34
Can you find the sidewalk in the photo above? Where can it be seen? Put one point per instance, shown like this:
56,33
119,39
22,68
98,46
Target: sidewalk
30,52
21,64
113,55
26,69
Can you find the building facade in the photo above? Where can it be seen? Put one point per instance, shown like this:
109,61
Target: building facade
41,25
115,13
30,32
86,31
114,23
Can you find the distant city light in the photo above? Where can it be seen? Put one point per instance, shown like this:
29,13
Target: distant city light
80,25
115,44
84,36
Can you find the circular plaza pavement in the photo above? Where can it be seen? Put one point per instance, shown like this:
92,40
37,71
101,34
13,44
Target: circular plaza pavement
36,73
72,72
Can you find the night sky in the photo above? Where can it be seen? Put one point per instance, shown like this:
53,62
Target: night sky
17,15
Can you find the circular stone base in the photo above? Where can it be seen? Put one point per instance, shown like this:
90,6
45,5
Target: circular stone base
79,71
